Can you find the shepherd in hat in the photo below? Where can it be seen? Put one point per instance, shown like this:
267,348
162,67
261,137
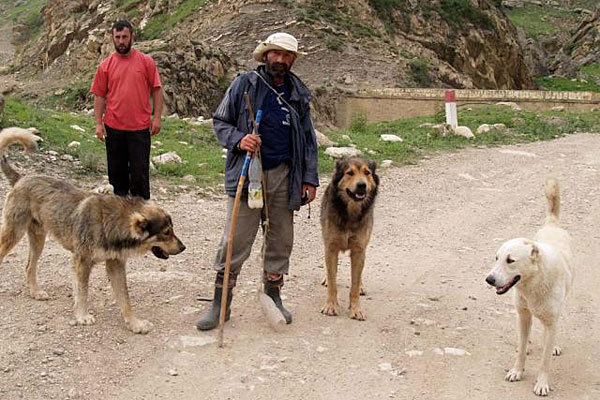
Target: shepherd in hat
289,160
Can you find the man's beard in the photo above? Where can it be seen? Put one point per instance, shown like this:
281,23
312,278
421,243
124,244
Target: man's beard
277,70
122,49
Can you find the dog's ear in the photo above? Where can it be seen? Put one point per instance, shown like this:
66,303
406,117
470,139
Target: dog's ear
340,169
373,167
535,252
139,226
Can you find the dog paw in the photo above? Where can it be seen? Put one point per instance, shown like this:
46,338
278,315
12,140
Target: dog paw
86,319
358,315
39,295
330,308
542,388
514,375
139,326
557,351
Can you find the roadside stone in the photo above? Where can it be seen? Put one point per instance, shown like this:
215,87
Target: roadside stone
391,138
77,128
510,104
322,140
464,131
483,128
386,163
74,144
170,157
442,129
558,108
173,372
341,152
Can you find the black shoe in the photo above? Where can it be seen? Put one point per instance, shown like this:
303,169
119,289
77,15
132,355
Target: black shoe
210,320
272,290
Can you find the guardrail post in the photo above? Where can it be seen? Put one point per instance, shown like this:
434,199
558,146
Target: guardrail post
451,113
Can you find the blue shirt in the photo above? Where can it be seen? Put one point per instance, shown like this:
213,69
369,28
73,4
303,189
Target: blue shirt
275,129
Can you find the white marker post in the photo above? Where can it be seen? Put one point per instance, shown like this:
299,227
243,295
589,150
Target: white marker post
451,114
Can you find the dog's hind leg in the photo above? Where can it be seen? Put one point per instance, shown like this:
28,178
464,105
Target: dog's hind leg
542,385
82,268
115,269
331,305
357,260
37,239
516,372
14,222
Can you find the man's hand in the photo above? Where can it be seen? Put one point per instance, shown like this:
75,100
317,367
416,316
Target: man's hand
100,132
156,126
310,190
250,143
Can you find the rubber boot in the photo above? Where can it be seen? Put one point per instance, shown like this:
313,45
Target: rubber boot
272,290
210,320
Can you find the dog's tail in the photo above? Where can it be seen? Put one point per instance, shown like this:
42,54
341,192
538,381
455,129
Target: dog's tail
9,136
553,200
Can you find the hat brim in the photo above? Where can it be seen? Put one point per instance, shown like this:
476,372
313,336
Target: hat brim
262,48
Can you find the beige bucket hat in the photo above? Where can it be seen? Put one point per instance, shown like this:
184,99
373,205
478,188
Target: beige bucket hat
277,41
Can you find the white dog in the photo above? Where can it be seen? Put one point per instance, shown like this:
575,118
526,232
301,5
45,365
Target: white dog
540,270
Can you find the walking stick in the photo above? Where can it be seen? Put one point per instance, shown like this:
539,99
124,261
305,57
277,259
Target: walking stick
232,228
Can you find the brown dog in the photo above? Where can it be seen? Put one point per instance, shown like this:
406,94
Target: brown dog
346,224
93,227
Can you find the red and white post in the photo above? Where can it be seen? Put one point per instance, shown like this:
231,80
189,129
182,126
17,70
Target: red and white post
451,114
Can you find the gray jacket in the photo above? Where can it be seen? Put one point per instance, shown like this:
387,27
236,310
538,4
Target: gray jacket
231,123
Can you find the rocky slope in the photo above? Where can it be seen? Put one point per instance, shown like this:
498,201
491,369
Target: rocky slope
582,48
364,43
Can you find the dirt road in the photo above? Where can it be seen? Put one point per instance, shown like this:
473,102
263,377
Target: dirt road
438,225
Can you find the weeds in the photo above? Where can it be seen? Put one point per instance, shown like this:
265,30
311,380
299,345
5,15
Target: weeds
202,155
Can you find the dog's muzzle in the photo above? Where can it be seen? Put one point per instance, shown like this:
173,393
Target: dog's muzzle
360,193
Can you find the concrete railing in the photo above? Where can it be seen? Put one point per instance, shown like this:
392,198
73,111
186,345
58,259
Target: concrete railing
390,104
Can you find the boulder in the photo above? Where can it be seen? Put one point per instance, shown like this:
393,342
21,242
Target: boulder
170,157
322,140
391,138
342,152
464,131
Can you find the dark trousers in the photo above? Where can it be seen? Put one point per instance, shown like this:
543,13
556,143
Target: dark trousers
128,159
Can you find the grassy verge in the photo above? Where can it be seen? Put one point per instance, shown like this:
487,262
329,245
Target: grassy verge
590,81
201,153
524,127
195,144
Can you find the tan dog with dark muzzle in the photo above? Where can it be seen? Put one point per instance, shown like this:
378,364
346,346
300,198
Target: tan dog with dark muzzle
540,271
346,224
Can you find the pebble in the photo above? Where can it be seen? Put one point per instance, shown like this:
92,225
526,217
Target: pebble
456,352
59,351
414,353
385,366
173,372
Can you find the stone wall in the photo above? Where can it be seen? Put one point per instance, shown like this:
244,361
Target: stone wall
390,104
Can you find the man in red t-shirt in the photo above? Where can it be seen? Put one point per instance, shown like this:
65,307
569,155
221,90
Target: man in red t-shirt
122,88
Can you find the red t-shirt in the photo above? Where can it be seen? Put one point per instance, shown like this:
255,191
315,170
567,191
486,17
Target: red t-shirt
126,82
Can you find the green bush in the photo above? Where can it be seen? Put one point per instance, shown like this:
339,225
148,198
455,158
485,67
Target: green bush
457,12
358,123
419,72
